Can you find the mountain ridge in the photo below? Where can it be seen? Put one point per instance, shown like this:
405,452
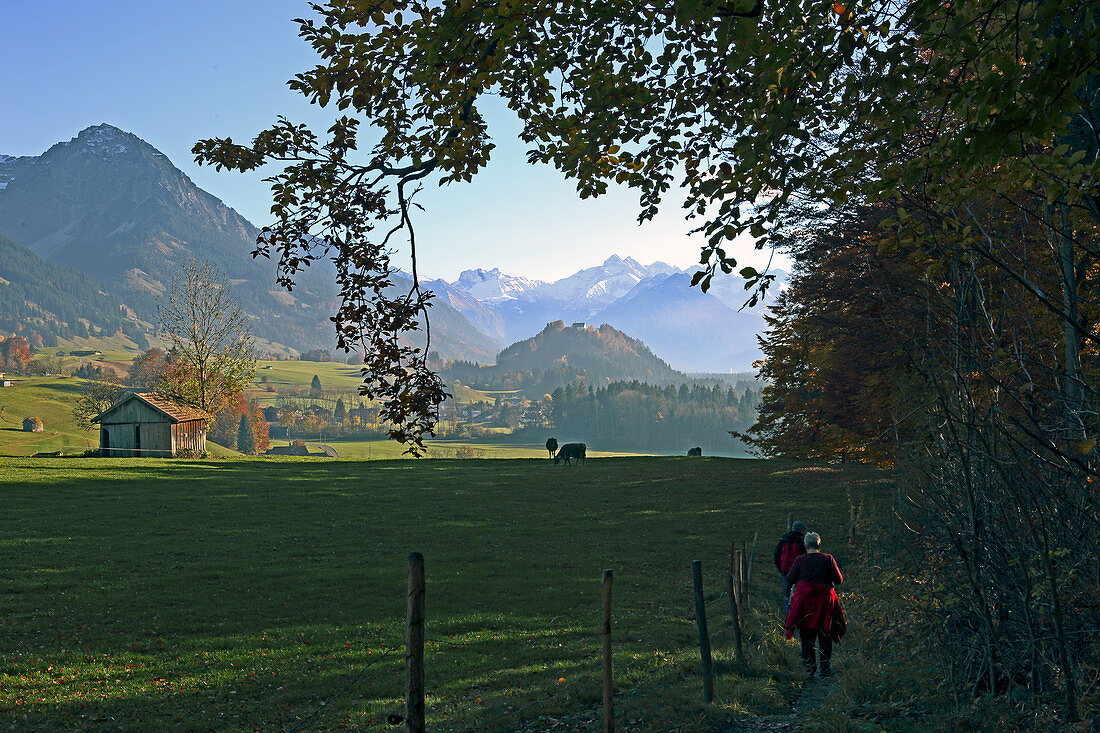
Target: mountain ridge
110,205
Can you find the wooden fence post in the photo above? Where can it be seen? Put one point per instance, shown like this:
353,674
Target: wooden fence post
739,653
748,565
704,637
608,689
739,584
414,647
790,521
851,524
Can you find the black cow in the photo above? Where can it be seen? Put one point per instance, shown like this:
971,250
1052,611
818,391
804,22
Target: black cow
571,450
695,452
551,446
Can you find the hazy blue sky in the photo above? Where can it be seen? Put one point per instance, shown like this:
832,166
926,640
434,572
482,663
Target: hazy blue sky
176,72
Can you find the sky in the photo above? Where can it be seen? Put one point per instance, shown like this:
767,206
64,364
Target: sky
173,73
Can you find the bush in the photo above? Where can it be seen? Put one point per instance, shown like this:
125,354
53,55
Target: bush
191,453
467,451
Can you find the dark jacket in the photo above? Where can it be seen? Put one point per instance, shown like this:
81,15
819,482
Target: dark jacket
814,603
815,567
796,537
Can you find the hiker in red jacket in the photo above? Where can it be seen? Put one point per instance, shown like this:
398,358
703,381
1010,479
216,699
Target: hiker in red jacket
815,610
790,547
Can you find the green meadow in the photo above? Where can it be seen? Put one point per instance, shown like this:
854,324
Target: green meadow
335,376
482,448
52,400
242,595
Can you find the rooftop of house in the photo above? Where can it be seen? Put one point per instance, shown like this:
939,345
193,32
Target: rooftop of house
178,411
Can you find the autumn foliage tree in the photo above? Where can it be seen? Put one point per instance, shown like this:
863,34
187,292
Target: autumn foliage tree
149,370
226,427
211,358
749,107
15,354
899,342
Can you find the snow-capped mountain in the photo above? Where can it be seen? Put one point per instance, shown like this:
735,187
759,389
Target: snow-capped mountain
692,330
493,284
595,287
110,206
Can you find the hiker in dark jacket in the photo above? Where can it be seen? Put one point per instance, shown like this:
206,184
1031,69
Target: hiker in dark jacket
790,547
815,609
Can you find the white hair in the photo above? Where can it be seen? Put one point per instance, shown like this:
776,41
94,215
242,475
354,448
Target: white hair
813,541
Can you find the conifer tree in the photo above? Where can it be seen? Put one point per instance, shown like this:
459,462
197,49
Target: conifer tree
315,389
246,441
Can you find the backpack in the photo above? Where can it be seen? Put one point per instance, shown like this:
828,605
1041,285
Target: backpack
790,553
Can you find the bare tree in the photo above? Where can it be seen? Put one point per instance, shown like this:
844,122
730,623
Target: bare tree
95,397
212,346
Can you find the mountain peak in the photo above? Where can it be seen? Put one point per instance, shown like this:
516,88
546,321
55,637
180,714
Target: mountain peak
105,139
493,284
102,129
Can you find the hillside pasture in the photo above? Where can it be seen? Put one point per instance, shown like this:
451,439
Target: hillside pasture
335,376
241,595
52,399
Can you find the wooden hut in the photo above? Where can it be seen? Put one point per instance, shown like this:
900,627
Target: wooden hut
148,424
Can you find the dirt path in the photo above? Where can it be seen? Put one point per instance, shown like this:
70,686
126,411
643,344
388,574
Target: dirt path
811,697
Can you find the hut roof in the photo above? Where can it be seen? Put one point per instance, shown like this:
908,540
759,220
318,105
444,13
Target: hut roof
177,411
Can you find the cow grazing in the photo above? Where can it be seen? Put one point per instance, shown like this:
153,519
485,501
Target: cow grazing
695,452
551,446
571,450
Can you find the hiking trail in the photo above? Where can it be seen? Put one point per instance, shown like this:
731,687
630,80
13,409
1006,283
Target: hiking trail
809,699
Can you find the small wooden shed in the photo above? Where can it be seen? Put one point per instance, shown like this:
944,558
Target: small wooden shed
148,424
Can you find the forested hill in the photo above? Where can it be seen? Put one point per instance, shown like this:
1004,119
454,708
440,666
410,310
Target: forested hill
113,207
561,354
40,297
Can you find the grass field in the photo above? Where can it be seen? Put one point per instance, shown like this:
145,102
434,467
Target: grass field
336,378
49,398
240,595
386,449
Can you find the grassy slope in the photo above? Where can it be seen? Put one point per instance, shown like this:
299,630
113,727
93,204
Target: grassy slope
50,398
237,595
335,377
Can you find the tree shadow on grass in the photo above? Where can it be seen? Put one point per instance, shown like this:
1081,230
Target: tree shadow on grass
63,387
241,577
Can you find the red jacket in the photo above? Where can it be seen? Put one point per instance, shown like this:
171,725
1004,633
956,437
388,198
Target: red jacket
814,604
